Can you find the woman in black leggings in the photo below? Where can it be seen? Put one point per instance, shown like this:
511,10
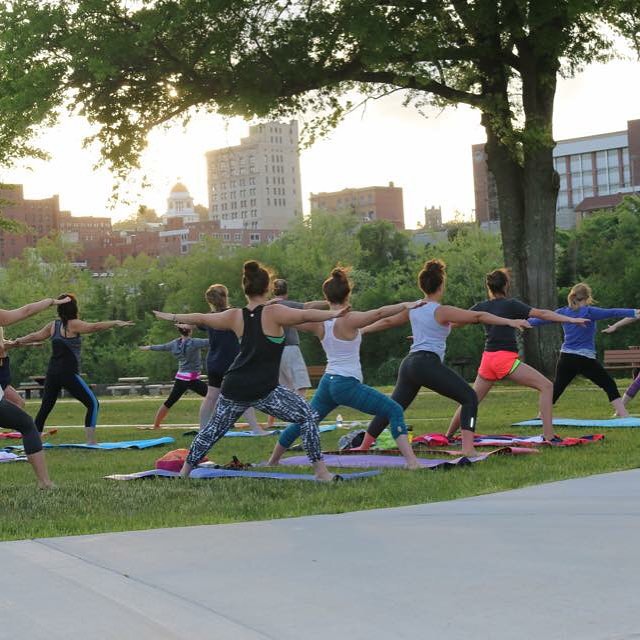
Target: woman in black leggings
11,416
424,366
64,366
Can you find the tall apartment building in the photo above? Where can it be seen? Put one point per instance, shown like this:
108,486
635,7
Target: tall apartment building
40,216
256,184
595,172
84,230
369,203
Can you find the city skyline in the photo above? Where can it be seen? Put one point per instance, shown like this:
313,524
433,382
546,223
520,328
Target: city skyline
430,158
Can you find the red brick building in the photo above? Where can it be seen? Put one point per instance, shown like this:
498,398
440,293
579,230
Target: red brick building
369,203
41,216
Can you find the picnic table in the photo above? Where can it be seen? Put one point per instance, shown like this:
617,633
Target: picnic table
134,380
132,385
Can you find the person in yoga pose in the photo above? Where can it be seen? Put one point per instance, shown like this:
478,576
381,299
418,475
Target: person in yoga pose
342,382
293,370
186,350
12,416
634,387
252,379
63,371
500,360
223,349
424,366
578,351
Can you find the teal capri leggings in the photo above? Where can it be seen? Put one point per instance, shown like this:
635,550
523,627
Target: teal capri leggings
334,391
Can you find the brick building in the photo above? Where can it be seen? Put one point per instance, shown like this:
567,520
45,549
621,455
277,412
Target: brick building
369,203
40,216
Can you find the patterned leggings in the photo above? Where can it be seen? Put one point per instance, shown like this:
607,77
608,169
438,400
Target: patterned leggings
281,403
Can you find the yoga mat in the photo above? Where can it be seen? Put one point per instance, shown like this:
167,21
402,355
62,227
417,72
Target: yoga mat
583,422
7,456
109,446
210,474
516,451
248,434
371,461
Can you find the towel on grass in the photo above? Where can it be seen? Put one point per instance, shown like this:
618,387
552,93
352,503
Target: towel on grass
7,456
16,435
210,474
532,441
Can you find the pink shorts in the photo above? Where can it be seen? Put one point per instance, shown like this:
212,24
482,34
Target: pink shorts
496,365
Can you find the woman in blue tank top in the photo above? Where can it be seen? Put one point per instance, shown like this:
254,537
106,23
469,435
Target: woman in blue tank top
63,371
252,379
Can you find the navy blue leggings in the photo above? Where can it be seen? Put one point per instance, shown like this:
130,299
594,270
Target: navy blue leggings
12,417
334,391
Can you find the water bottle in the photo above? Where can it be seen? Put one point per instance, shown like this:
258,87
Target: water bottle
339,421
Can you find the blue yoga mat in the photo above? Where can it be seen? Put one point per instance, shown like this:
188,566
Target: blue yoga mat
583,422
108,446
248,434
210,474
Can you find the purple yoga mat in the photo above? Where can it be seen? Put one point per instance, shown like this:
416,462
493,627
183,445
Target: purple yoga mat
373,461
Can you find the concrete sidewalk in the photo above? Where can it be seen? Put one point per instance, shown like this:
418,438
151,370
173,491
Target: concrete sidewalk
557,561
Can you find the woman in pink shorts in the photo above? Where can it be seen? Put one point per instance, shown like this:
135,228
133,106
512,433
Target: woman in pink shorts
500,359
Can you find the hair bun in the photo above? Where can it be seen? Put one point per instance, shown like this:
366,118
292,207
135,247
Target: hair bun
251,266
434,266
339,273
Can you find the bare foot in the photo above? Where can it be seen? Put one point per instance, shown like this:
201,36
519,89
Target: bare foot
413,466
325,476
46,486
470,453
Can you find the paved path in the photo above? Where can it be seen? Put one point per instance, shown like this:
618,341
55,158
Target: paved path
557,561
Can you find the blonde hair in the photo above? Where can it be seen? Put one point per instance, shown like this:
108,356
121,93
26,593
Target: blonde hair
580,292
217,296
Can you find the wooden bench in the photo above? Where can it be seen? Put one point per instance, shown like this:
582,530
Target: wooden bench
316,371
131,389
158,389
621,358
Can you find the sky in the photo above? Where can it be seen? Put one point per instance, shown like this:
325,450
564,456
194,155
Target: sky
429,157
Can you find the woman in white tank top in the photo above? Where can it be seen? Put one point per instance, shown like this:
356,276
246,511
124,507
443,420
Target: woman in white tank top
342,382
424,366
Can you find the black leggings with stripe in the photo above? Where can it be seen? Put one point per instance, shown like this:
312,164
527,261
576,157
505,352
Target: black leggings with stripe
571,365
12,417
425,369
77,387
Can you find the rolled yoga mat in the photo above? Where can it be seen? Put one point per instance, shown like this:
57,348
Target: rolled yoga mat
583,422
212,474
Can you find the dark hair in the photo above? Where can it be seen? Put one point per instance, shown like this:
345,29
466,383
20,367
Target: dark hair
432,276
256,280
184,331
498,282
280,287
68,310
336,287
217,296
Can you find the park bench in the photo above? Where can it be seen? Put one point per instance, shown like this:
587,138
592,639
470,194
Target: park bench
316,371
158,389
121,389
622,358
25,389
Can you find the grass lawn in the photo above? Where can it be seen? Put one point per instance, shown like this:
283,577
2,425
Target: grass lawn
86,503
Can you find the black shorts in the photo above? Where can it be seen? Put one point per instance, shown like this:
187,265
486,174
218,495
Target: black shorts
215,378
181,386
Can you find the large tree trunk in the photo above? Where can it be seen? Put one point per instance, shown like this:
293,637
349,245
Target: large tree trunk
540,186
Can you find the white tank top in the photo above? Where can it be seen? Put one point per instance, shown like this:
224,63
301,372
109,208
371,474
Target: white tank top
343,356
428,333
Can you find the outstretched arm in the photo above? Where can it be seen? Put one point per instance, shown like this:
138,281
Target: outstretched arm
618,325
36,336
15,315
360,319
552,316
290,317
597,313
80,326
387,323
222,320
456,316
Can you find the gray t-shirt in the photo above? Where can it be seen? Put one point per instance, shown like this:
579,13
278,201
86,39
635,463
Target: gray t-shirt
291,336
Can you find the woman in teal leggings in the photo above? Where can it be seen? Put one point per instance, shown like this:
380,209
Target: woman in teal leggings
342,382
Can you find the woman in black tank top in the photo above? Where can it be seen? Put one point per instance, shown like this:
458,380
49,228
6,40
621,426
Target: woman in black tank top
63,371
13,417
252,379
